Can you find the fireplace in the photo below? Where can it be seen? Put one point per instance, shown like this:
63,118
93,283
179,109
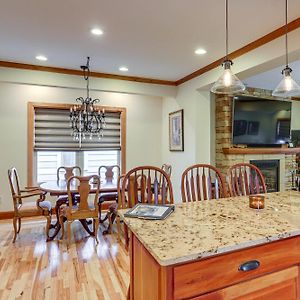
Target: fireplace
270,171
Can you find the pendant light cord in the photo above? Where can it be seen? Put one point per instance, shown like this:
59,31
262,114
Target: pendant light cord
286,33
226,26
86,75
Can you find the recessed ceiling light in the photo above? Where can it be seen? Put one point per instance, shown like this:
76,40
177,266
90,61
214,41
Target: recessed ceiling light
96,31
41,57
123,69
200,51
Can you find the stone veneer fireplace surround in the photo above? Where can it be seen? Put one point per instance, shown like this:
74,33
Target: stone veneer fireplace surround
226,156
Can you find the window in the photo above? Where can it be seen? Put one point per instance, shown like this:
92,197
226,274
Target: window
50,143
94,159
89,161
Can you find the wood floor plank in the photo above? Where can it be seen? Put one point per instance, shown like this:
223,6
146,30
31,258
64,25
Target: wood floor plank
34,269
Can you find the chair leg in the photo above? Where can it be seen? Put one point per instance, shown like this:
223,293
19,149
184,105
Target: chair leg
48,225
61,221
128,293
99,209
96,227
119,228
69,231
110,223
126,237
19,225
15,228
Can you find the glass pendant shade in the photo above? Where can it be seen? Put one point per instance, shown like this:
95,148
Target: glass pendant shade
227,83
287,87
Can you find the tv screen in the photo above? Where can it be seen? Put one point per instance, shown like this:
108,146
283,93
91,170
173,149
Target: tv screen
258,121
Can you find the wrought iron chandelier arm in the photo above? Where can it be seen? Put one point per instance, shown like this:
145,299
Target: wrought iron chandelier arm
86,119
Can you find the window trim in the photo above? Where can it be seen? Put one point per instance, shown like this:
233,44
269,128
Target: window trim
31,106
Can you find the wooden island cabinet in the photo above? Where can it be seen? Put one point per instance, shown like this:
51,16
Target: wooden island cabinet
277,276
218,250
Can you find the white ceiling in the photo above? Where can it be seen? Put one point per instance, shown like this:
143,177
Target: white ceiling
270,79
155,39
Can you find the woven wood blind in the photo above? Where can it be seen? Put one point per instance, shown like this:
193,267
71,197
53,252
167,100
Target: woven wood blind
52,131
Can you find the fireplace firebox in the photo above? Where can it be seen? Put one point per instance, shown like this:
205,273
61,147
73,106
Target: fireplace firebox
270,171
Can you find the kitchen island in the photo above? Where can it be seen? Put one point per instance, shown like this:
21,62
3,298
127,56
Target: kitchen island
218,249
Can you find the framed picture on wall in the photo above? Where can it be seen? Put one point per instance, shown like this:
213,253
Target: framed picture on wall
176,137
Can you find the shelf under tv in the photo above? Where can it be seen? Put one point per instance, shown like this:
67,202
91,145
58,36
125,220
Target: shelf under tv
234,150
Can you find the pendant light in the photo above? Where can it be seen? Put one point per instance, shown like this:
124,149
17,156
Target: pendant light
287,87
227,83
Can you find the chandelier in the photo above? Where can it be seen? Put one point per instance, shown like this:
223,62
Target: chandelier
87,120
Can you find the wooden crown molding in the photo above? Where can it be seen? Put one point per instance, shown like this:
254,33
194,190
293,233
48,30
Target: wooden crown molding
15,65
295,24
251,46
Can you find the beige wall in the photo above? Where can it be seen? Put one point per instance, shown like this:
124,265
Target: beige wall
143,124
196,106
295,115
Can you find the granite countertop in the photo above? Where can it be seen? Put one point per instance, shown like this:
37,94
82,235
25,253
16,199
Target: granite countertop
202,229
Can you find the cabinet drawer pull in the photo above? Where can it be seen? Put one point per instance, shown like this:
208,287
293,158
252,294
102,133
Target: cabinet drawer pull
249,265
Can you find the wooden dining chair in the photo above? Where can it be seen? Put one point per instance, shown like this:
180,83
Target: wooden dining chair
202,182
111,175
119,206
141,185
24,208
245,179
67,172
84,209
167,168
64,173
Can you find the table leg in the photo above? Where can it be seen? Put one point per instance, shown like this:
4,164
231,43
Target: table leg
57,226
84,223
111,215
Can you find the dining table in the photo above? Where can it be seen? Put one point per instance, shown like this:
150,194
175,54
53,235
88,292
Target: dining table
59,188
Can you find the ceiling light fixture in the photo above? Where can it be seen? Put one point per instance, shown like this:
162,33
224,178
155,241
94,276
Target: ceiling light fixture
123,69
86,119
96,31
287,87
200,51
228,83
41,57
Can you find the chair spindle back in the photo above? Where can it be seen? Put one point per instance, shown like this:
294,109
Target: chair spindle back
142,185
245,179
202,182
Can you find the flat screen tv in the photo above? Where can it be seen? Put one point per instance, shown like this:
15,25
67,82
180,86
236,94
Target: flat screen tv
261,122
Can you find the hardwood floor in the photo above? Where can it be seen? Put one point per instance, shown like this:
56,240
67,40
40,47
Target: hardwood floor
34,269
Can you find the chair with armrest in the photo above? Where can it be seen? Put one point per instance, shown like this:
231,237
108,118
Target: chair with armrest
245,179
24,208
84,209
202,182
